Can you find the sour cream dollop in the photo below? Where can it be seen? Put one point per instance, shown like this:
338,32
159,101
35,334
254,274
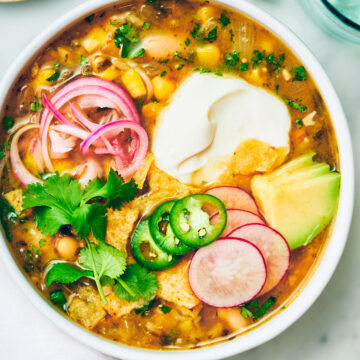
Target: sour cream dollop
207,118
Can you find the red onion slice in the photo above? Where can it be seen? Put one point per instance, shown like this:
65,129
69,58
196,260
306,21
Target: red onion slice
83,118
111,130
18,167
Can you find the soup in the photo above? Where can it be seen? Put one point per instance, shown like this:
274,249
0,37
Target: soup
169,173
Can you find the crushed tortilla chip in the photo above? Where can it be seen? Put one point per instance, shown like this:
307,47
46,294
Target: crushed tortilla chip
253,156
87,308
174,285
120,224
141,173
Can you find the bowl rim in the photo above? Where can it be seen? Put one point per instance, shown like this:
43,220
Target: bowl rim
332,253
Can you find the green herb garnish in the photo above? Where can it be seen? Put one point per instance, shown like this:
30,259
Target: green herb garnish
225,21
246,313
231,35
212,35
300,73
90,18
126,37
163,73
35,106
57,65
60,201
244,67
84,61
145,309
296,105
8,122
137,282
299,123
197,31
165,309
179,56
264,308
187,42
54,77
232,58
57,297
205,71
258,58
276,62
146,26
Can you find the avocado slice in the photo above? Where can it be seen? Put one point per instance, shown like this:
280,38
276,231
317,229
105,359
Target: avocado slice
298,199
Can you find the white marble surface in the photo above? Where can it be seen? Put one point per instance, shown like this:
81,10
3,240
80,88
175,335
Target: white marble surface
329,330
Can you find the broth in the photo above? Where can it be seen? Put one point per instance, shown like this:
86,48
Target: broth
164,324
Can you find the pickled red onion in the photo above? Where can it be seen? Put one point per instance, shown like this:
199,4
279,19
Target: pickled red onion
19,169
110,131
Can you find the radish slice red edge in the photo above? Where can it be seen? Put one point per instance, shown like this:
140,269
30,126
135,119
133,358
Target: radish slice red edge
273,247
237,218
227,273
234,198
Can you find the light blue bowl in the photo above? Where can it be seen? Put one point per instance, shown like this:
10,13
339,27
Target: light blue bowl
340,18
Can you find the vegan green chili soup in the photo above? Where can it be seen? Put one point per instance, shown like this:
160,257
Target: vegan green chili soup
169,173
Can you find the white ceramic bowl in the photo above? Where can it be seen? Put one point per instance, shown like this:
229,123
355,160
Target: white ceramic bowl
333,252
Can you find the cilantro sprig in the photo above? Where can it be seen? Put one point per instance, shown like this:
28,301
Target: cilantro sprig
61,201
106,265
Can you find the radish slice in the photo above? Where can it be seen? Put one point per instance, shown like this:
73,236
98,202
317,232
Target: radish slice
237,218
234,198
227,273
272,245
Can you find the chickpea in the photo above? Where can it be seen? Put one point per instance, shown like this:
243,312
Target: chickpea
67,247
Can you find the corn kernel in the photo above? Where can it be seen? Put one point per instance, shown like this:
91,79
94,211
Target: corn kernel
94,39
151,110
111,73
100,63
208,54
205,13
133,83
163,87
65,54
63,165
40,79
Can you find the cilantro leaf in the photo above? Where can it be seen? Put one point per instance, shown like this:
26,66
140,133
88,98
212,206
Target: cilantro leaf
212,35
49,220
54,77
244,67
8,122
109,261
276,62
84,61
264,308
165,309
225,21
141,282
299,123
258,58
65,274
232,59
300,73
115,190
126,37
197,31
90,217
35,106
296,105
246,313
